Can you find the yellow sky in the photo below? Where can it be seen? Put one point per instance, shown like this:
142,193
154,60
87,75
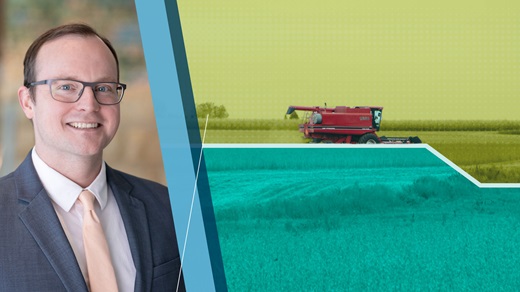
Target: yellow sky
442,61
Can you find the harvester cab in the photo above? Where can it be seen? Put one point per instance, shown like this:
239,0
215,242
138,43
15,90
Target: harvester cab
376,118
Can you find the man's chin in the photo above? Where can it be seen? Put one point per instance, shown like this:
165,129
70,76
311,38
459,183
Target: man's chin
87,152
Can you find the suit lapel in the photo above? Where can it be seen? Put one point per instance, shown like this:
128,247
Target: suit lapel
136,225
41,221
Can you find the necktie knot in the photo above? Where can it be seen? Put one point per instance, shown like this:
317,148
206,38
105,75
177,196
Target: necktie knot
87,200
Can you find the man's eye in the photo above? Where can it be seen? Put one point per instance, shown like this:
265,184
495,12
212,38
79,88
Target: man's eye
65,87
104,88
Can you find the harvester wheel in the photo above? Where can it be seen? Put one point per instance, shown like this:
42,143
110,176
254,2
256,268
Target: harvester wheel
368,139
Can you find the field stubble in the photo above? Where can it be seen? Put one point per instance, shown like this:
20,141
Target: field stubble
370,253
322,228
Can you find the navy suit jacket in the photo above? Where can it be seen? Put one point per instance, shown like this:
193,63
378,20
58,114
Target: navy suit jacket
35,254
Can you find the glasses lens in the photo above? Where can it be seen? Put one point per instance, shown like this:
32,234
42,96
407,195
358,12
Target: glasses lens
108,92
65,90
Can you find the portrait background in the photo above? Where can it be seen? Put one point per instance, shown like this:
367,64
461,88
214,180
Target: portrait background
135,148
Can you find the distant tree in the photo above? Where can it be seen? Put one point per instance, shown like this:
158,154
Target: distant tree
214,111
294,116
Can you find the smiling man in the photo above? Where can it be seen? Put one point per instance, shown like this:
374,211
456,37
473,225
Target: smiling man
69,222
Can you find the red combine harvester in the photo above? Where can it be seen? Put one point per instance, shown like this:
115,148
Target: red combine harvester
344,124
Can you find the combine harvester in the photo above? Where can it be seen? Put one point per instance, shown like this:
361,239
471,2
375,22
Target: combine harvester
342,124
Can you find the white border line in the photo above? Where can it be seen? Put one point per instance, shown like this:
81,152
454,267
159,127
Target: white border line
192,203
372,146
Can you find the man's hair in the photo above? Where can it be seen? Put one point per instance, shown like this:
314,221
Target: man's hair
29,62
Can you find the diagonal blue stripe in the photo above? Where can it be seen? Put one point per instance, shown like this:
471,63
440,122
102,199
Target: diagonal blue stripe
178,129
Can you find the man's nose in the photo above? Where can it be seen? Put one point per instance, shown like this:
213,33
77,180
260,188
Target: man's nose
87,100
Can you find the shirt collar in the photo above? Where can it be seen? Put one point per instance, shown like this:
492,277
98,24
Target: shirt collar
65,192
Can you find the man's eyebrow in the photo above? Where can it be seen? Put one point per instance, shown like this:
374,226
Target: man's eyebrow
106,79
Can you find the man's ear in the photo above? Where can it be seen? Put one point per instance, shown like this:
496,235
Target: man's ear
26,102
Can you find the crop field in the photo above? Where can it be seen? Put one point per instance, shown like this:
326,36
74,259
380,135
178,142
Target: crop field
359,219
487,150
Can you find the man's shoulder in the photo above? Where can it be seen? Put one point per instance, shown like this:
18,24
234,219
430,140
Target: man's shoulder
139,186
7,183
17,189
22,179
7,178
135,179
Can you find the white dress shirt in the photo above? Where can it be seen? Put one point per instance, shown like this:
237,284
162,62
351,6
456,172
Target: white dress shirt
64,194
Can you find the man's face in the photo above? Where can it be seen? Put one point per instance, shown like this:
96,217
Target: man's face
72,130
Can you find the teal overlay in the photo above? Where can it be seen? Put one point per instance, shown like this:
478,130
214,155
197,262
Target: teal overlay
181,145
349,219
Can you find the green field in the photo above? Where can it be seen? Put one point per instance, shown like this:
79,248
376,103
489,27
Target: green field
487,150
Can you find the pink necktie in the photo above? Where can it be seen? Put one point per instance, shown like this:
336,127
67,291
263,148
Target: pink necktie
101,276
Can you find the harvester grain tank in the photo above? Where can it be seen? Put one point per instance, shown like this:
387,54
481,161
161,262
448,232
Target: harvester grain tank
343,124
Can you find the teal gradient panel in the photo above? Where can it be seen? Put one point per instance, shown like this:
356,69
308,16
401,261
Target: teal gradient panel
369,219
180,145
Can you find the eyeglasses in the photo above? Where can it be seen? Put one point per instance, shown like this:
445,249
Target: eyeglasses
70,91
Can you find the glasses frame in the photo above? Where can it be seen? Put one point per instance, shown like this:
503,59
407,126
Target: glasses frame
85,84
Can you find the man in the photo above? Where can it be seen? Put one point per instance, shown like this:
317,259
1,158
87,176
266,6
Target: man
71,94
